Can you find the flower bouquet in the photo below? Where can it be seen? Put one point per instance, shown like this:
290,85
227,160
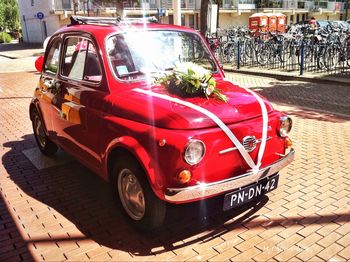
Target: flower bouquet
190,80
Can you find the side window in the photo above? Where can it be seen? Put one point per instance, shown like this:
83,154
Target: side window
80,60
74,57
92,65
51,64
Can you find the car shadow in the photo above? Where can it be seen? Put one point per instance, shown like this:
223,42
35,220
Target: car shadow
86,201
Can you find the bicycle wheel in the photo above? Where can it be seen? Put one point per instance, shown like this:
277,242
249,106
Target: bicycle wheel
331,57
263,54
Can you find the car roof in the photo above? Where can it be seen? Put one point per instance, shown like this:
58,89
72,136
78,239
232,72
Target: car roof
102,30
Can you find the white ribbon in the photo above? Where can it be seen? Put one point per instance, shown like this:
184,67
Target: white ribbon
224,128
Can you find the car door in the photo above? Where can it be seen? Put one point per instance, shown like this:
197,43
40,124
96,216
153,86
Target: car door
47,90
79,116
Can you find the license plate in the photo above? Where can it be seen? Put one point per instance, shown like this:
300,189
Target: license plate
247,194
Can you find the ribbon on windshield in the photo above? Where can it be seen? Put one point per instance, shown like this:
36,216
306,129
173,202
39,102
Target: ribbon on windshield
223,127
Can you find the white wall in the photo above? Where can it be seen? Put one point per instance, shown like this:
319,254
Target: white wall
32,27
227,20
326,16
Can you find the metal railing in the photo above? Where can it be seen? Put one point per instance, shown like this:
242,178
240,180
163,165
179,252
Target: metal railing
288,57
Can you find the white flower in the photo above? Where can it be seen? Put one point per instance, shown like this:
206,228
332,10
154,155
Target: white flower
209,90
185,66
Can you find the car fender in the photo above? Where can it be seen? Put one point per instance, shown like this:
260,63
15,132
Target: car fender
140,153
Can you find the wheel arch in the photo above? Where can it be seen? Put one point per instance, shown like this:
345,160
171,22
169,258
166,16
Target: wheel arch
34,105
130,146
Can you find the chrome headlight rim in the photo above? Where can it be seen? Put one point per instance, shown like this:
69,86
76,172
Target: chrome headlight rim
282,132
189,143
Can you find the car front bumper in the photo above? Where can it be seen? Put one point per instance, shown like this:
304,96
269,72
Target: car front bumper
205,190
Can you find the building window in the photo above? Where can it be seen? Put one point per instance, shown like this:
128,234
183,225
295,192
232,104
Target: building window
298,18
171,19
183,22
191,21
32,2
292,19
303,17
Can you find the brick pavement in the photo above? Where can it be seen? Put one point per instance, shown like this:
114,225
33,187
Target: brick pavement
66,212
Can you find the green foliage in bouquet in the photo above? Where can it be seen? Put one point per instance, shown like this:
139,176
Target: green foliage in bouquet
190,80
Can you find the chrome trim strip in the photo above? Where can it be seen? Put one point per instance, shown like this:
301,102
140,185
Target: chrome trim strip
230,149
227,150
216,188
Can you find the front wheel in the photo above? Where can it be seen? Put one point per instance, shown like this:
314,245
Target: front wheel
135,196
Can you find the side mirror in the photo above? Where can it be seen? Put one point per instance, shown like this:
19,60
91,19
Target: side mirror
39,63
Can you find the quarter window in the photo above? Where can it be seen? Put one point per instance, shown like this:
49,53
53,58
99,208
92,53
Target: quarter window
51,64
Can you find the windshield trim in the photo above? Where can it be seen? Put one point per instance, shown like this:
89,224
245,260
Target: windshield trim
149,29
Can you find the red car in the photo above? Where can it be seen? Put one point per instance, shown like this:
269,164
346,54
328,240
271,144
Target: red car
98,101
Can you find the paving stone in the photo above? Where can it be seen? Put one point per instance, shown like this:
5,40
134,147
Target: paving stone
64,211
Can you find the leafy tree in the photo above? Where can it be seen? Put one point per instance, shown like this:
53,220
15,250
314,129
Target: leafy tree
9,15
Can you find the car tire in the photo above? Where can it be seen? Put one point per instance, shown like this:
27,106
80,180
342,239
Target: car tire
46,146
134,196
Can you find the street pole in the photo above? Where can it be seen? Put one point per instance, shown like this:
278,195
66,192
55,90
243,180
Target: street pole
88,7
177,12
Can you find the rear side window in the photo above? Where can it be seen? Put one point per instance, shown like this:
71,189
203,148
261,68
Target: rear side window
52,61
80,60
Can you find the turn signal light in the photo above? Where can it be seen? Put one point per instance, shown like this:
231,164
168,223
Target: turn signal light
184,176
288,143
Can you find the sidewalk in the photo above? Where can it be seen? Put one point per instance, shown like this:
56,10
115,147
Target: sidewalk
20,50
19,57
293,75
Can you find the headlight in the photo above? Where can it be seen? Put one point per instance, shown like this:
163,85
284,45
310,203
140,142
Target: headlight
194,152
285,126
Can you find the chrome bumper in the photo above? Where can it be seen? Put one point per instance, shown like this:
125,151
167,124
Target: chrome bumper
216,188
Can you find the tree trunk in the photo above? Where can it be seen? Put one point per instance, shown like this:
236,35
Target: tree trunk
204,16
119,8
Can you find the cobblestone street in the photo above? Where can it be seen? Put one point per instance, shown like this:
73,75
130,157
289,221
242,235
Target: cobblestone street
67,212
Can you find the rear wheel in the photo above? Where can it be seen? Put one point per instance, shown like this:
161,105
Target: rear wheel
46,146
135,196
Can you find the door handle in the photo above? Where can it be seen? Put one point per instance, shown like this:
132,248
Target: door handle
55,87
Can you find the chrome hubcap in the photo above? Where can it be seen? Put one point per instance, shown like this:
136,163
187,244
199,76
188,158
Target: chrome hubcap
131,194
39,131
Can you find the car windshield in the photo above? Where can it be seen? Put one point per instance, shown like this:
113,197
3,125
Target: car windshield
136,55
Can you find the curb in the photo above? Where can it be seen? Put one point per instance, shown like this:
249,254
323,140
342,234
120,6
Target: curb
315,79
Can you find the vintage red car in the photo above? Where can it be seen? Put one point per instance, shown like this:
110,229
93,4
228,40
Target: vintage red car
97,100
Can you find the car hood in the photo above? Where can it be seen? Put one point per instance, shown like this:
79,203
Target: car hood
145,108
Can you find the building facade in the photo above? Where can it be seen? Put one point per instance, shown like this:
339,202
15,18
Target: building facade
41,18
